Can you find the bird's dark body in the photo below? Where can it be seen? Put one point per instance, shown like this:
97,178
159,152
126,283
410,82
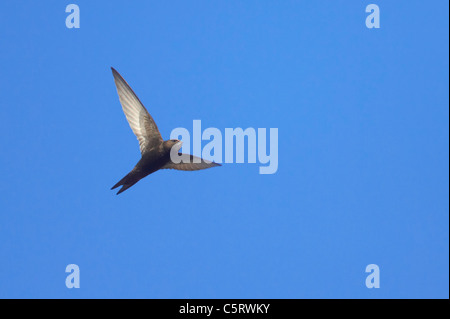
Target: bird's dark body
153,161
149,163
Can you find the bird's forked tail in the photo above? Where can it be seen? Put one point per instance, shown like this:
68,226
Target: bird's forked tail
129,180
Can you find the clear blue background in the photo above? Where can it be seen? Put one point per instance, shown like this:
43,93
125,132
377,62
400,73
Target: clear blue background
363,174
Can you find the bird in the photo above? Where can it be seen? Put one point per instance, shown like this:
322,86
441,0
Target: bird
155,152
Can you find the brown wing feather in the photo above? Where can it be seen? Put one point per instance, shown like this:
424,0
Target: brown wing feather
141,122
192,165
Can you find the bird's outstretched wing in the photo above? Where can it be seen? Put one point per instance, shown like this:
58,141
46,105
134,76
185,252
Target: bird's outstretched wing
141,122
191,166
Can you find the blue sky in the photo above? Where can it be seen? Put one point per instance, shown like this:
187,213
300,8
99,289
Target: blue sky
363,126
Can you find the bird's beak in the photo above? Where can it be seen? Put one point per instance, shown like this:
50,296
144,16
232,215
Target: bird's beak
178,145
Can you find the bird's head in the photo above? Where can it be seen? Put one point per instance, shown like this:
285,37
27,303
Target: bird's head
172,143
